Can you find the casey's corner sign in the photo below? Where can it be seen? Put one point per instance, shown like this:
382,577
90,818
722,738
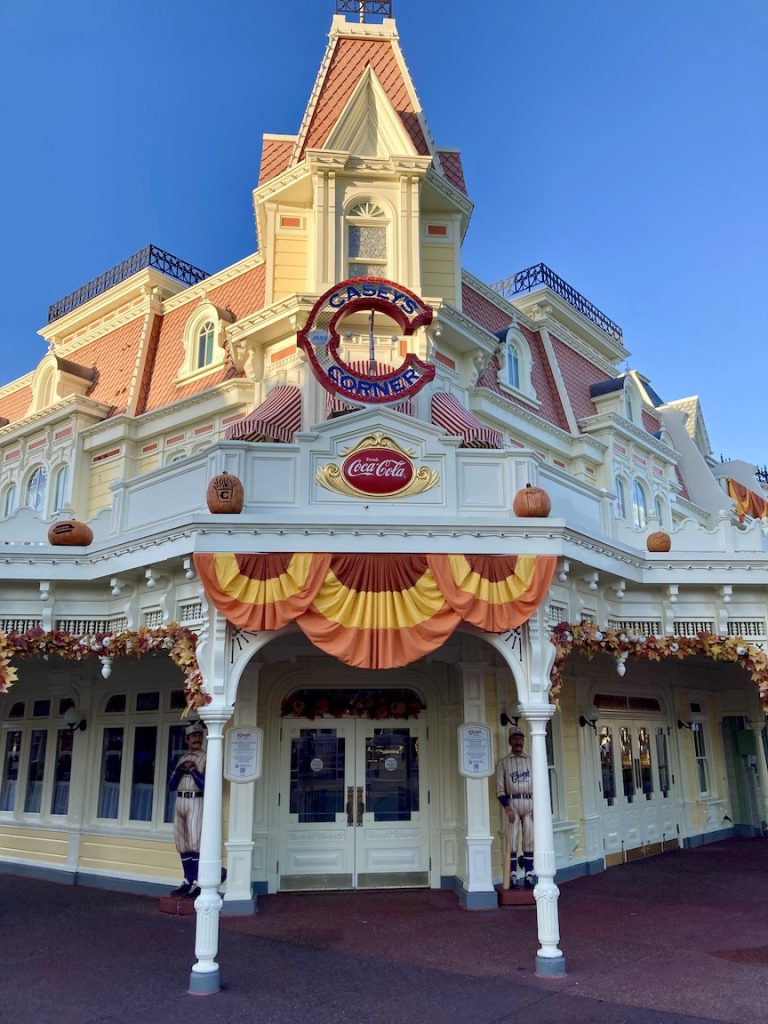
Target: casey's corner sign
320,341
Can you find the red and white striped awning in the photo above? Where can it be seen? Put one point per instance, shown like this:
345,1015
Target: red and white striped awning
276,419
336,406
450,414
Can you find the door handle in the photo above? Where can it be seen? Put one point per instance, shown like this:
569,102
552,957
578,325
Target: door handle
350,818
360,805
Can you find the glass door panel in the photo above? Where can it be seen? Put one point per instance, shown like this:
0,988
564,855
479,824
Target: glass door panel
391,774
317,775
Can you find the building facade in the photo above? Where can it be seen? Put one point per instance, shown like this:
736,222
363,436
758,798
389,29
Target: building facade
377,594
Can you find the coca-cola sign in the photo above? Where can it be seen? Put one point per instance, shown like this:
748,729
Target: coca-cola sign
377,471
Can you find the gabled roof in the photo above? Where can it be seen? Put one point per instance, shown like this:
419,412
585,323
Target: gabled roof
352,49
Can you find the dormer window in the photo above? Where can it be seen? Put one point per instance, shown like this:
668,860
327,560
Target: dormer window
204,340
516,365
205,336
367,240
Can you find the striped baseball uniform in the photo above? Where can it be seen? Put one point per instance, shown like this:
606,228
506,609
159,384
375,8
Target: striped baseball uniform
188,813
514,789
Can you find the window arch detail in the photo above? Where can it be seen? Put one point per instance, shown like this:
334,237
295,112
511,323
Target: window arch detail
621,498
639,505
516,365
367,239
205,340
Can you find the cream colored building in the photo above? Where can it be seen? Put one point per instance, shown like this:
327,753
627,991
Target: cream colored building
140,401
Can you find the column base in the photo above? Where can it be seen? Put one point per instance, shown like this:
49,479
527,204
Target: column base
550,966
204,984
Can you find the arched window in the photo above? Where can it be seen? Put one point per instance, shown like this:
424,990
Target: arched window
366,241
205,344
513,365
9,501
45,392
36,490
621,499
659,506
639,506
60,488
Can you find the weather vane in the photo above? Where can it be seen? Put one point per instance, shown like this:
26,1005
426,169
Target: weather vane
365,8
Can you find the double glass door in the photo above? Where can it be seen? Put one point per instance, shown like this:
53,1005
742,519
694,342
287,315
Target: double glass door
638,809
353,805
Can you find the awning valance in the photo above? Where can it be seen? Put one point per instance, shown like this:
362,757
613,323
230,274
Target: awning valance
450,414
276,419
375,610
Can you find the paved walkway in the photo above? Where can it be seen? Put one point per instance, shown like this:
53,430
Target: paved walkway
676,939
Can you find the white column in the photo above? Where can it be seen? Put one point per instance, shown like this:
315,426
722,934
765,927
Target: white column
549,959
204,978
479,875
758,725
238,897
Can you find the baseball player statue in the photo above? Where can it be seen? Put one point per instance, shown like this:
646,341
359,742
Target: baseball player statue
188,782
513,788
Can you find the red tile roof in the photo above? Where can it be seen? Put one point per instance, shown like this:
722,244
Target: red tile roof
14,406
651,424
275,156
681,481
114,358
242,295
578,374
483,311
350,58
452,169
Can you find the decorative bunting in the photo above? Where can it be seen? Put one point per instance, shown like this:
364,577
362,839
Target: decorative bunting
377,610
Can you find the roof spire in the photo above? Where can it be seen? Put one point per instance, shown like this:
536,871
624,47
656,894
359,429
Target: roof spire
364,9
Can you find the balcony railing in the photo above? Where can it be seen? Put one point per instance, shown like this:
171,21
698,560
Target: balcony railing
149,256
540,273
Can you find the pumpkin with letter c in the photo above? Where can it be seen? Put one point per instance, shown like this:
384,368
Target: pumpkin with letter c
659,541
70,532
531,502
225,495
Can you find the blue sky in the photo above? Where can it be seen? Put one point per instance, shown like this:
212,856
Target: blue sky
622,143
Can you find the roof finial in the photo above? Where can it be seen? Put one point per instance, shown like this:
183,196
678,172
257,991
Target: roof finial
365,8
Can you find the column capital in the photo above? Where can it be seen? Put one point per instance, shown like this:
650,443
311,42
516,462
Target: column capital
216,714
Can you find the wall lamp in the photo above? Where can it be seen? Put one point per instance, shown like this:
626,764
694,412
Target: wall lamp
514,716
693,726
589,718
74,720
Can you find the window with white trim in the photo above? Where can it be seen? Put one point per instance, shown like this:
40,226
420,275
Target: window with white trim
701,758
204,341
9,501
36,491
639,506
516,364
36,750
60,481
205,336
367,240
621,498
141,739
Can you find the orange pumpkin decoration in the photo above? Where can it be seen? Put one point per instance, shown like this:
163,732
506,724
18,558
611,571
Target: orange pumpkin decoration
658,541
70,532
225,495
531,502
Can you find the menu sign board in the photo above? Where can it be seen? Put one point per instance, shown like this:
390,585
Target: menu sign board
243,754
475,751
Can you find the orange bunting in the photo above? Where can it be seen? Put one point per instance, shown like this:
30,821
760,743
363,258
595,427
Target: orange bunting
376,610
747,502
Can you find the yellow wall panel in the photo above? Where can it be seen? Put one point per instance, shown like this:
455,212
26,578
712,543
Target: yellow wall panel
37,845
100,496
438,271
290,265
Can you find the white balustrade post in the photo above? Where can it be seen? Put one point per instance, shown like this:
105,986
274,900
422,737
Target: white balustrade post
204,978
549,959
